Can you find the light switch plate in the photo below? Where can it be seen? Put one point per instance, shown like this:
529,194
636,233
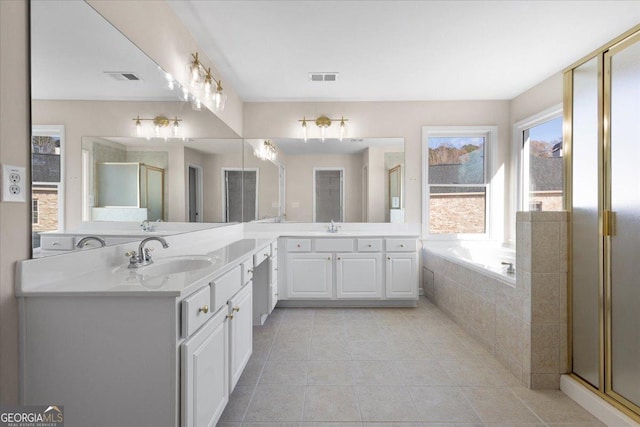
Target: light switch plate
14,184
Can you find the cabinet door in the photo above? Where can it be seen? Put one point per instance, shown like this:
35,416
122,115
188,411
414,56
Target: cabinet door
205,373
273,296
309,276
402,276
240,332
359,276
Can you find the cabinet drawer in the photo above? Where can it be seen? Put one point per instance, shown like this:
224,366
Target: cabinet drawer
333,245
401,245
298,245
369,245
196,311
224,287
57,243
247,271
262,255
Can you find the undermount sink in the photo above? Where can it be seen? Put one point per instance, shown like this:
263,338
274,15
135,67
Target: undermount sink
174,265
168,266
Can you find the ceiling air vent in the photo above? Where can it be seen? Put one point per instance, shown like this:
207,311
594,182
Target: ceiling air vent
323,77
122,75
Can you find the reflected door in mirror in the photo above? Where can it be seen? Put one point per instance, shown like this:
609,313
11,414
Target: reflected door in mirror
328,195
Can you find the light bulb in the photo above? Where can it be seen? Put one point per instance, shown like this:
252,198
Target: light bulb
196,104
138,127
171,83
342,129
304,129
176,128
322,132
157,130
220,98
185,94
208,85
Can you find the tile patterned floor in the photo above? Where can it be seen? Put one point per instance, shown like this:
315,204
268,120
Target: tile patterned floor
383,367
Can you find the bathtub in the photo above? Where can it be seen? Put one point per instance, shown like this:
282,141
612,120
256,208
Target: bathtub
482,257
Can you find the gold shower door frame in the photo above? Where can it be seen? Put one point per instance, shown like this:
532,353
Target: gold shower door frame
605,217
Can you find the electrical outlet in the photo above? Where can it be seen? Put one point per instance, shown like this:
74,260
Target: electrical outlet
13,184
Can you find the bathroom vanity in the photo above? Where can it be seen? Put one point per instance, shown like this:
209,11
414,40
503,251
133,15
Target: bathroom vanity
165,344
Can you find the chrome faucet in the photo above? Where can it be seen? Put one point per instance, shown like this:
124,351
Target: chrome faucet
83,242
332,228
510,269
142,257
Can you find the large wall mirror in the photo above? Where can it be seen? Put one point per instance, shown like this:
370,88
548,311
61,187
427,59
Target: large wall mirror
89,86
355,180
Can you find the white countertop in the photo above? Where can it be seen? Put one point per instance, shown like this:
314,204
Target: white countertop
103,271
120,281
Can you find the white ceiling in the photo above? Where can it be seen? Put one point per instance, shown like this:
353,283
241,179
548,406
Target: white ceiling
398,50
71,48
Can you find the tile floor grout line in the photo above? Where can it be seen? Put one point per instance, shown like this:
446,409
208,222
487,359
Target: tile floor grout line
528,407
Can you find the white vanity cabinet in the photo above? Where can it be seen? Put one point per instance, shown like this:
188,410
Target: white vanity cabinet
359,275
350,269
401,268
240,316
309,275
205,372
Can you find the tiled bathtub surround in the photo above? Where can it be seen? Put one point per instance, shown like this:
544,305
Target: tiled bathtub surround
522,325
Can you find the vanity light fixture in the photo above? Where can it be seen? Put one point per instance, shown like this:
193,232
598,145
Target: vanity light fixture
266,151
323,122
200,77
159,123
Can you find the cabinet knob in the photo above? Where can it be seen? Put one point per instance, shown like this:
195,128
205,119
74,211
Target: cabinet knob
229,316
339,258
55,244
266,255
329,258
204,309
298,245
402,245
370,246
250,270
236,309
388,257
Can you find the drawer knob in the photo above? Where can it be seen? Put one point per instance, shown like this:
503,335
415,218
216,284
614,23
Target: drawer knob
250,270
402,245
236,309
204,309
388,257
229,316
329,258
370,246
298,245
339,258
266,255
55,244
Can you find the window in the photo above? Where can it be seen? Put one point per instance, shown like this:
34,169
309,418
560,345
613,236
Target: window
456,196
34,211
542,169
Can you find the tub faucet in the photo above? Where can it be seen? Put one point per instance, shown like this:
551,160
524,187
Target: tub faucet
147,226
332,228
142,257
83,242
510,269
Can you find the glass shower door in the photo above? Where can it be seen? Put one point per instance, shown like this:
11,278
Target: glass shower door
622,80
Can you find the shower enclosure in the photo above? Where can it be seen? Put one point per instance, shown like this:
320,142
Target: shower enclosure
602,128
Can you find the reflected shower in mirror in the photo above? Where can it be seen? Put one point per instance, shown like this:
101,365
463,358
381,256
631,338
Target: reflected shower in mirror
356,180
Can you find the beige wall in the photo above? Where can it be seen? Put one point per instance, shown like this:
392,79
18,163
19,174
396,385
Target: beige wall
299,186
390,119
15,231
213,182
171,48
113,119
268,182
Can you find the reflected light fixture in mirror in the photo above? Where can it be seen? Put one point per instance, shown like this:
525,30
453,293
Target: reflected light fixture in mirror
266,151
163,127
323,122
201,80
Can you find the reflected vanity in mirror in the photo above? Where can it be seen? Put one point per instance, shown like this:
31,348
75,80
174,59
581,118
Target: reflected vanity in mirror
355,180
91,173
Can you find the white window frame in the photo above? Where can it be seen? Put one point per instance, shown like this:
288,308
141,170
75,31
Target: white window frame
521,161
54,130
490,133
